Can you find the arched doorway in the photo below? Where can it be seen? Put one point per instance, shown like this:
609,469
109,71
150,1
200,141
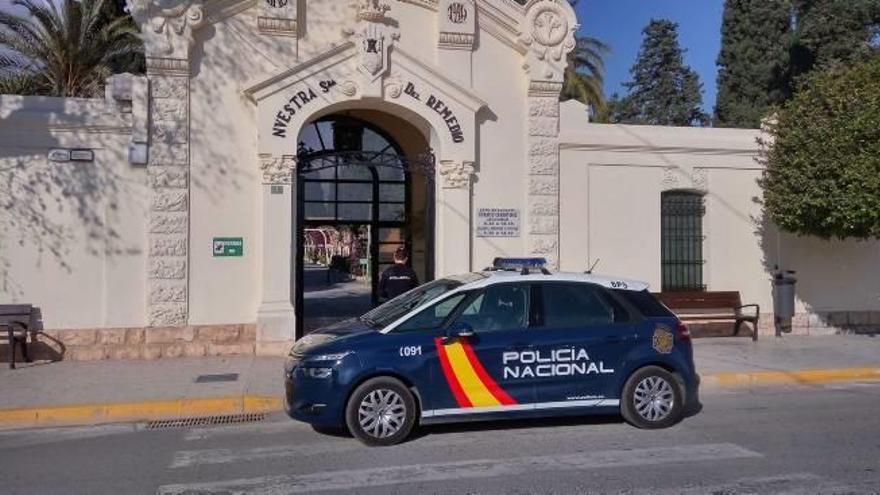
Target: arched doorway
360,195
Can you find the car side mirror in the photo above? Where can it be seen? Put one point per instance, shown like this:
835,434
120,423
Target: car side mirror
460,329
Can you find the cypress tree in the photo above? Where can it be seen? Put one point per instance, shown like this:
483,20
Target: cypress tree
663,90
753,63
832,31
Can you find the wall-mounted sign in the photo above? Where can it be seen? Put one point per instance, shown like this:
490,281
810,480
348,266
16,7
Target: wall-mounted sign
228,246
302,97
82,155
59,155
497,222
440,107
457,13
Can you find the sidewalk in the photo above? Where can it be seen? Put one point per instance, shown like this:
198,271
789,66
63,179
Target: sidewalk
105,391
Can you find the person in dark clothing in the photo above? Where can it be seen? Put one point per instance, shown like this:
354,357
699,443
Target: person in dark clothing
399,278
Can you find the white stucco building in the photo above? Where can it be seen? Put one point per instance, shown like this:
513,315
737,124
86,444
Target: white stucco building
433,115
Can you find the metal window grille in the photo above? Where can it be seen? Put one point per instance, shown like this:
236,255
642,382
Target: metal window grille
681,240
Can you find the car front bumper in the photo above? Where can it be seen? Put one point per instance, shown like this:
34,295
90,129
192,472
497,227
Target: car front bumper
315,401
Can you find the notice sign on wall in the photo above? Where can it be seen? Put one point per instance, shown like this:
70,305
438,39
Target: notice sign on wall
497,222
228,246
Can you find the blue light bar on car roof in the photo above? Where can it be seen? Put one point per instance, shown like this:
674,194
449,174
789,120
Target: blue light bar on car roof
518,263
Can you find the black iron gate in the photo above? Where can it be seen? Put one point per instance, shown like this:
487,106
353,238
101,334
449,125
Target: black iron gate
681,245
343,184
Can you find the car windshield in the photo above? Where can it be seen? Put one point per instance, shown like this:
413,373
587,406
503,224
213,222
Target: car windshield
389,312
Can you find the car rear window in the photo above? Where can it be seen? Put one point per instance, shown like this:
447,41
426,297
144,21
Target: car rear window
646,303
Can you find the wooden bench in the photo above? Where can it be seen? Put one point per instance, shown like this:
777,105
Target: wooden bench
15,322
721,306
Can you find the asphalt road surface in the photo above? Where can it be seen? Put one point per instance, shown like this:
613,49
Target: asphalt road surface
805,439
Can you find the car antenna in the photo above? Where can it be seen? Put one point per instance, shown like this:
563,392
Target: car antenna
590,271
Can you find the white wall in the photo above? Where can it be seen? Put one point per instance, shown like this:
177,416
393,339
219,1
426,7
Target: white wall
612,177
73,234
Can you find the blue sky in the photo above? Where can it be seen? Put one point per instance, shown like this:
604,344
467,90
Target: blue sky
619,23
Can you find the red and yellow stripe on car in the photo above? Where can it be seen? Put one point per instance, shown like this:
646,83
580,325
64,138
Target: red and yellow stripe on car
468,380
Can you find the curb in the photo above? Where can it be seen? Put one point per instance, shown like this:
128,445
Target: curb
117,412
793,377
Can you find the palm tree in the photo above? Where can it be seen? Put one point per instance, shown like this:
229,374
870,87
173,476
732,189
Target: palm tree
66,50
585,72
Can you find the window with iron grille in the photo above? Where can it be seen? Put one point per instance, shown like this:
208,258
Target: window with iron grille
681,241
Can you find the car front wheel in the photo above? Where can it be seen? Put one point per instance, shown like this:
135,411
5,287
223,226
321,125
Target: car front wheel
652,398
381,412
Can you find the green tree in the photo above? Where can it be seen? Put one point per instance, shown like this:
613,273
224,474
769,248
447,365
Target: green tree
830,31
767,46
584,75
753,63
66,50
663,90
822,156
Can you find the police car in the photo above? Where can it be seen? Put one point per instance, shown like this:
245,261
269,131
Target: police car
513,341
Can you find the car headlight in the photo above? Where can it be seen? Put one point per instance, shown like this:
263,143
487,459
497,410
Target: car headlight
317,372
338,356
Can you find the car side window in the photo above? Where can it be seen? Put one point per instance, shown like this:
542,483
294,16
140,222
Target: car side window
433,316
572,305
499,307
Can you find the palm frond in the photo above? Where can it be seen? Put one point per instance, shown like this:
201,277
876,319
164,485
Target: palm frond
64,47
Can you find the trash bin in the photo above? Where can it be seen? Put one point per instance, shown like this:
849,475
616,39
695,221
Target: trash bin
783,300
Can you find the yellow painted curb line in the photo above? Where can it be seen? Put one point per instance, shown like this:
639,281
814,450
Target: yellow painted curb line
138,411
238,404
802,376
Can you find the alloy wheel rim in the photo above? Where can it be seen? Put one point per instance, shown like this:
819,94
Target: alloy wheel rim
382,413
654,398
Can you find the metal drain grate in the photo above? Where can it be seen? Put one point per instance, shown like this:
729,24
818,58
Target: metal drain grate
223,377
228,419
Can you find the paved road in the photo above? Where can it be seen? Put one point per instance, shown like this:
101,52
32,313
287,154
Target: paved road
792,440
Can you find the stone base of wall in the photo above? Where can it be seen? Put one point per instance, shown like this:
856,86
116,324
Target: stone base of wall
826,323
148,343
836,323
816,324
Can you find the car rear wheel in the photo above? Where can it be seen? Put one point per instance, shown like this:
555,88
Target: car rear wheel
381,412
652,398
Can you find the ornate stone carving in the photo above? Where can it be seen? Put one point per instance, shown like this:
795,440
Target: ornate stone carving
167,25
169,224
167,246
545,245
456,41
168,165
700,179
170,201
277,169
167,291
393,88
166,315
456,175
457,24
370,10
277,19
676,178
548,31
373,33
162,268
670,178
348,88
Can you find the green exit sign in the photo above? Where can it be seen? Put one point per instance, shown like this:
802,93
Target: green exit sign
228,246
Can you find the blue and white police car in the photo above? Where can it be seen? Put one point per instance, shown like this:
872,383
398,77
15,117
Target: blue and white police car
513,341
